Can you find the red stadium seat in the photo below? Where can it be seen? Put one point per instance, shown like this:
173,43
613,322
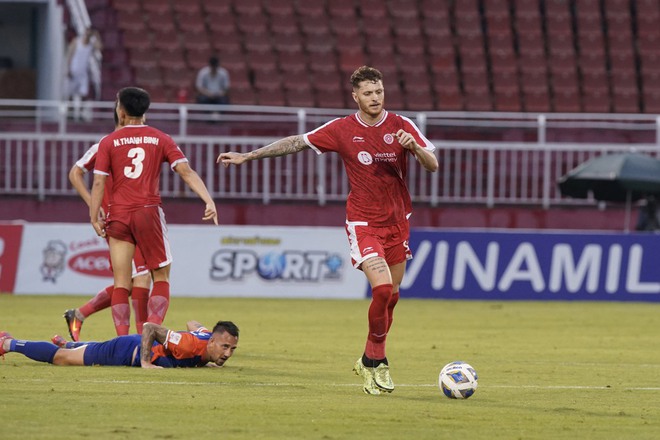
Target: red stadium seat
626,100
595,101
478,99
449,99
566,101
248,7
300,98
271,97
537,99
278,8
508,100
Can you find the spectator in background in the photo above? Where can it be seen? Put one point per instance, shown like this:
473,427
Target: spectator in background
648,215
212,84
79,54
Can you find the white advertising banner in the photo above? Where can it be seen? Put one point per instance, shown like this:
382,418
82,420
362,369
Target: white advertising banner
300,262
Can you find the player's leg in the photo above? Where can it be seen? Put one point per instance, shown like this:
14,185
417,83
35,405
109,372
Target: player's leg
159,301
40,351
397,272
368,255
121,255
140,299
149,228
75,317
141,288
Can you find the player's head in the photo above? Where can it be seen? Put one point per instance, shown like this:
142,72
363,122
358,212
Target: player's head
368,90
132,102
115,117
223,342
214,62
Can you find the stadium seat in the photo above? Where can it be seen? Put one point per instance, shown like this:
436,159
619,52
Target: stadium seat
145,57
198,57
252,24
419,100
595,101
330,100
507,100
217,7
278,9
652,102
258,43
626,100
536,99
566,100
195,41
449,99
296,80
314,25
168,41
172,58
292,62
136,39
248,7
373,9
285,25
478,99
300,98
342,10
271,97
311,8
178,78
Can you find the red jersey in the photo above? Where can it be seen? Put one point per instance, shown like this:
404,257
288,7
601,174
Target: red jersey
86,163
133,156
375,162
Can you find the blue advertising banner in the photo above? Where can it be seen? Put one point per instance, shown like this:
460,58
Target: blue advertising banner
533,266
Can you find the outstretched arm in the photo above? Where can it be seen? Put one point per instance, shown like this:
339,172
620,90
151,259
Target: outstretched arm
195,183
288,145
151,333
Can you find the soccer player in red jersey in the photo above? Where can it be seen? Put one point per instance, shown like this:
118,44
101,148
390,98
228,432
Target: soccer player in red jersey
133,156
375,146
157,347
141,277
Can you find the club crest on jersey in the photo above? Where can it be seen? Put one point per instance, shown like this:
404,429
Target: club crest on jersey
388,138
365,158
358,139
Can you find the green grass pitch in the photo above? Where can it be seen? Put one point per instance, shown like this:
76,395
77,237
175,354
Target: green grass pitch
546,371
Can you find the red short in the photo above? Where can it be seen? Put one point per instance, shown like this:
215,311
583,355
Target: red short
388,242
146,228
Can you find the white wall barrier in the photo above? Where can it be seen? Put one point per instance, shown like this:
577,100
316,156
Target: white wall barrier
310,262
313,262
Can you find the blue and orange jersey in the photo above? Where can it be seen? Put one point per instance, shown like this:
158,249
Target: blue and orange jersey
182,349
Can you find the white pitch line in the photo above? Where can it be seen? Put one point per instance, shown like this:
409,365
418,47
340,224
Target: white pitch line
338,385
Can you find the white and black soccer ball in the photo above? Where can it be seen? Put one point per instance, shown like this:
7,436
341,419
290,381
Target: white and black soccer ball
458,380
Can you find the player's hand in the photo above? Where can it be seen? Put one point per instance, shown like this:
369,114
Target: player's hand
148,365
99,227
210,213
230,158
406,140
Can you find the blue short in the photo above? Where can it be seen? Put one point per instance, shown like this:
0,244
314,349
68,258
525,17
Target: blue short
117,351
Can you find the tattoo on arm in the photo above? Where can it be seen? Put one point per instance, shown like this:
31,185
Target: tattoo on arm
289,145
151,333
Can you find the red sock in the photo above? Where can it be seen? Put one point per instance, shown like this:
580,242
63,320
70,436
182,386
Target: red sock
159,301
140,299
99,302
390,309
121,311
378,321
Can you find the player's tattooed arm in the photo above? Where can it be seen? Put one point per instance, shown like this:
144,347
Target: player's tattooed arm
151,333
283,147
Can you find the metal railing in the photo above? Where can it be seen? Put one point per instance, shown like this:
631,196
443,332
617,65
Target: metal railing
512,159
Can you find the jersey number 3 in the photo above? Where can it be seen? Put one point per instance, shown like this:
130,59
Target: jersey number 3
137,154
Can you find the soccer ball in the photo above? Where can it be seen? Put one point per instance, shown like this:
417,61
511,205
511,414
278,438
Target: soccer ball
458,380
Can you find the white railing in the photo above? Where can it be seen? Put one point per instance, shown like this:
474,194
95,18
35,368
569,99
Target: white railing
490,173
485,158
